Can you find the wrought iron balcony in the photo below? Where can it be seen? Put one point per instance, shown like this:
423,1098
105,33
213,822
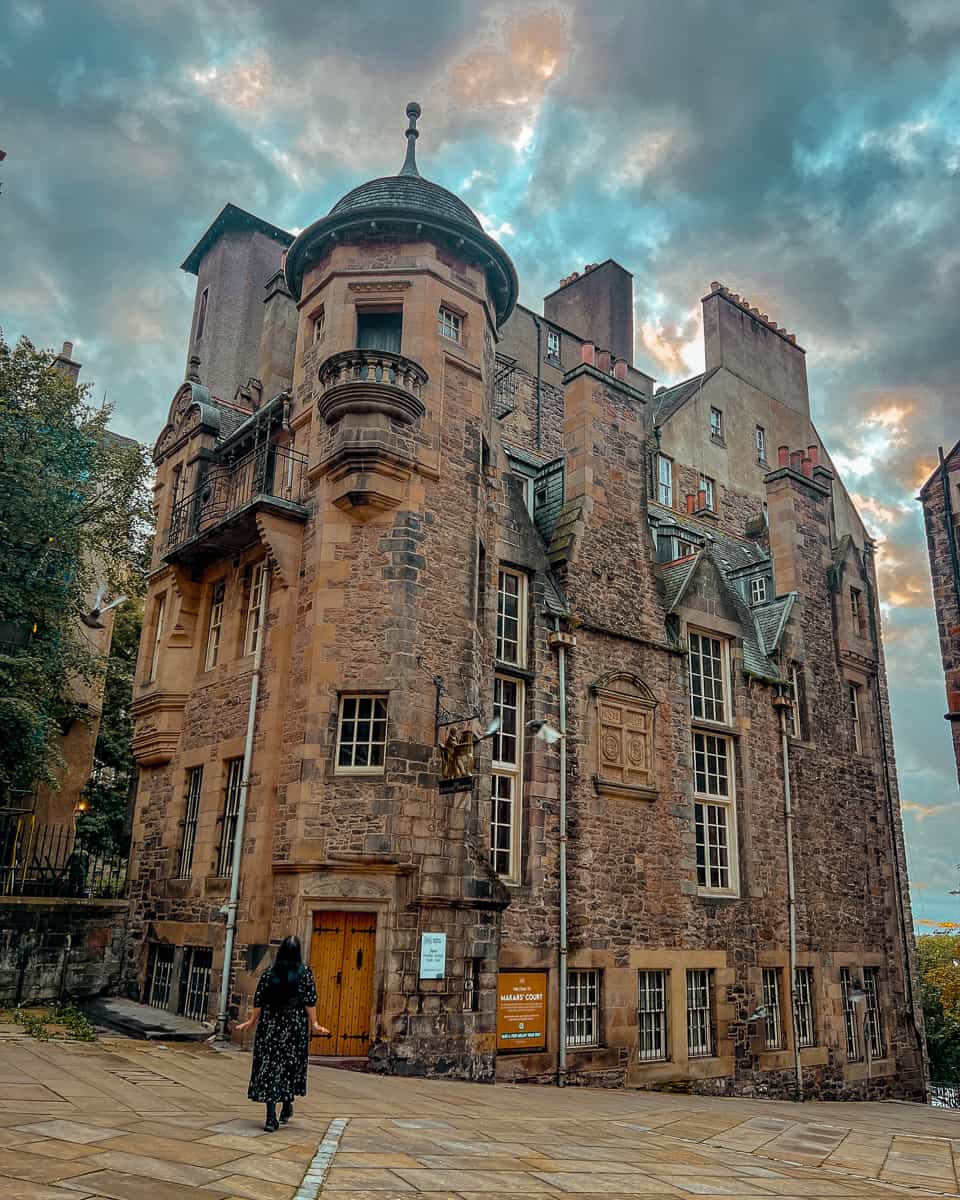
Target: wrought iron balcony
219,517
371,381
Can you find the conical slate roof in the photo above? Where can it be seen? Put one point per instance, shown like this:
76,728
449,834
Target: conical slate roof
406,192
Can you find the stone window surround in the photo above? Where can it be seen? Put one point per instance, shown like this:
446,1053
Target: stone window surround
193,794
377,770
810,1056
458,311
583,988
514,771
858,1070
523,616
864,697
641,699
213,648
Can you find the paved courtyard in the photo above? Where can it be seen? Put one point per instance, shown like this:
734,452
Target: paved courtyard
138,1121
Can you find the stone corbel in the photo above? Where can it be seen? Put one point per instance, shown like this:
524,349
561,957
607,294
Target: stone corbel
188,592
283,541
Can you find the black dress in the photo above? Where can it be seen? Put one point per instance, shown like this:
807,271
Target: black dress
282,1040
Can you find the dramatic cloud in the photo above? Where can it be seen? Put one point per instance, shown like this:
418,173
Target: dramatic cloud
809,158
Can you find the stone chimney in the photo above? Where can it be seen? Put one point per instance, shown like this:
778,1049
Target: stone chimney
596,305
798,509
64,362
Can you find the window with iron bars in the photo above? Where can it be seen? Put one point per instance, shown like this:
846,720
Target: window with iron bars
195,982
700,1036
803,1012
772,1022
189,838
873,1018
583,1008
850,1022
652,1015
231,813
159,975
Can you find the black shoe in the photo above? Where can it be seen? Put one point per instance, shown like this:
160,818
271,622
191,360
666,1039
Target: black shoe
271,1124
286,1112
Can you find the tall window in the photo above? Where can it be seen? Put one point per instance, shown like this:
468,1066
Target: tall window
583,1008
251,638
758,590
856,611
319,326
714,814
706,486
511,617
700,1042
652,1015
794,727
215,624
361,734
450,324
159,614
708,671
231,812
773,1021
665,480
803,1012
853,710
872,1018
507,760
202,315
380,331
716,424
850,1021
761,444
192,813
553,344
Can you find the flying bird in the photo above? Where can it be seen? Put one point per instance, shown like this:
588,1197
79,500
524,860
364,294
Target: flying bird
545,731
92,618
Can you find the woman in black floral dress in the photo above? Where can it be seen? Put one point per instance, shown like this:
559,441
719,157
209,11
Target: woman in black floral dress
284,1014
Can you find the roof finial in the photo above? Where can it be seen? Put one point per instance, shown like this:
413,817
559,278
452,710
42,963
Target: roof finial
410,162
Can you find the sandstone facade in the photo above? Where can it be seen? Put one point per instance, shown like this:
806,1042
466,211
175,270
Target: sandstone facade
453,496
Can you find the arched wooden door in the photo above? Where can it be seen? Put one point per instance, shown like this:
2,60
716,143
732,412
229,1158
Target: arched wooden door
342,958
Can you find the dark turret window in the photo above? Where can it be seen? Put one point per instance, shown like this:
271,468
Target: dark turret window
379,330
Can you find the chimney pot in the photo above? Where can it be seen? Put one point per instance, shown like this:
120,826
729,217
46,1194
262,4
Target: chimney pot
67,351
603,361
691,502
814,454
783,456
796,460
734,297
702,498
587,352
620,368
806,466
715,286
791,338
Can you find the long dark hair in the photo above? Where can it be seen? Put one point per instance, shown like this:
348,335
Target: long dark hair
286,970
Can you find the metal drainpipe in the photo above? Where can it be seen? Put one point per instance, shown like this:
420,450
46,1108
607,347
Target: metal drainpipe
242,815
562,1006
791,893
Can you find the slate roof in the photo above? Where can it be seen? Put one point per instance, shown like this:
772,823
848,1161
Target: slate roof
670,399
231,418
554,599
405,192
231,217
771,620
532,458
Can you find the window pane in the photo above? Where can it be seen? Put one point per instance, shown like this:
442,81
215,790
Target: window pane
699,1014
707,688
361,741
652,1015
773,1026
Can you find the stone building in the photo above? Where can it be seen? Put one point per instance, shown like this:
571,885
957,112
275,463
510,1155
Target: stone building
940,497
570,751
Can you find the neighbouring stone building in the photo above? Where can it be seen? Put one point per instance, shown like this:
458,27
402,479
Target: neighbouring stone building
940,497
425,510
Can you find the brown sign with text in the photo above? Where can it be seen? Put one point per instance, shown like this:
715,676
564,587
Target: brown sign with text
522,1010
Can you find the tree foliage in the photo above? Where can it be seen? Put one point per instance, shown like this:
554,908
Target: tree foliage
938,956
74,511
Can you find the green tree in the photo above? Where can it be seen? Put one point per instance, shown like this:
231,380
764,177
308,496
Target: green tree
74,513
938,956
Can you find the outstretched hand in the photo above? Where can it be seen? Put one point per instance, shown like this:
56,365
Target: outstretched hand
319,1030
244,1026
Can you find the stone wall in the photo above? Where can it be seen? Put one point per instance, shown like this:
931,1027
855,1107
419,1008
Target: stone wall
946,604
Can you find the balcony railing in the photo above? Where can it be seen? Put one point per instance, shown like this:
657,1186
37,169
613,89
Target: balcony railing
361,381
276,472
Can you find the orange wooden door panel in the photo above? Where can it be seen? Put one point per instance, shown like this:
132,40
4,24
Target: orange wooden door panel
326,957
359,951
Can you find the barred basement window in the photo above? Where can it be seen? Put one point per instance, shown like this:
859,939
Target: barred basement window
214,625
450,324
873,1018
159,975
231,812
772,1022
511,617
803,1014
361,735
195,982
583,1009
700,1040
665,480
714,813
708,678
652,1015
506,780
189,838
850,1022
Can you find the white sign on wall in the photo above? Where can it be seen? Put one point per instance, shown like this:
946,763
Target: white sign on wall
433,955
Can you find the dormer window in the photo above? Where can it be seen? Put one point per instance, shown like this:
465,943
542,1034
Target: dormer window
670,547
450,324
758,590
380,329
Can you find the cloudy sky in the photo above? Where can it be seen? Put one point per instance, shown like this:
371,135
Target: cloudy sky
807,155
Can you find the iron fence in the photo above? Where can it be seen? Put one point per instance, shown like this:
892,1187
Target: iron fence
52,860
945,1095
276,471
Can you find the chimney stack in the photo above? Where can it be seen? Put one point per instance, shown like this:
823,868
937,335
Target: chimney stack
603,361
587,352
783,456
